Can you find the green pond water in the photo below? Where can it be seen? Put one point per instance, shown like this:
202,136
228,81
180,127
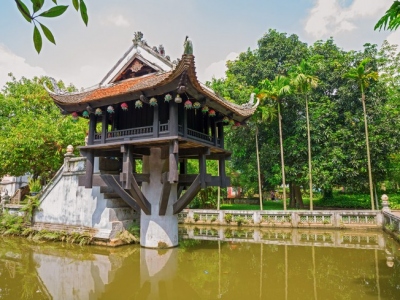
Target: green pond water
210,263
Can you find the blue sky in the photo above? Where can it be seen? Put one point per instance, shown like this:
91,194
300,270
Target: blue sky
219,29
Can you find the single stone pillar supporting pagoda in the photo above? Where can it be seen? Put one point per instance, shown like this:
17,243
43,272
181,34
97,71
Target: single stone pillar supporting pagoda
158,231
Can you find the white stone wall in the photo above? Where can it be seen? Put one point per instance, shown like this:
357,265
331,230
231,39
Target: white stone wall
64,202
12,183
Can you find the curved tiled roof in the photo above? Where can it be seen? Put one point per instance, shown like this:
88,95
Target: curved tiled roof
151,81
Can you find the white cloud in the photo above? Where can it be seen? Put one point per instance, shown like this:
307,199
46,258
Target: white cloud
12,63
329,17
394,38
117,20
217,69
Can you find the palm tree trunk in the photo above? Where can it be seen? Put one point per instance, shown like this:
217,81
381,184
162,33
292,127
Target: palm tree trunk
309,155
258,171
282,159
368,155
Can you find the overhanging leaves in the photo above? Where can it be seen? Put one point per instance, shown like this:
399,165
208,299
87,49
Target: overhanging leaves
24,10
37,39
48,34
54,11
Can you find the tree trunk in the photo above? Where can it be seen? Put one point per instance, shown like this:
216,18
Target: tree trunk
282,159
368,155
292,203
309,155
299,198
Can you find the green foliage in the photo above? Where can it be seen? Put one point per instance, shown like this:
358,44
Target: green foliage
337,134
33,132
228,218
391,19
11,224
196,217
29,208
240,220
34,185
38,11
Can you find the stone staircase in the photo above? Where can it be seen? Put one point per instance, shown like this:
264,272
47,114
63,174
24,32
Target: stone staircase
120,214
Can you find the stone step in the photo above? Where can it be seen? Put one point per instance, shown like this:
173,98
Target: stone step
103,234
116,203
122,214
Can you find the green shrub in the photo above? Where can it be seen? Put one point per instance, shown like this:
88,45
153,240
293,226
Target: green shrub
196,217
228,218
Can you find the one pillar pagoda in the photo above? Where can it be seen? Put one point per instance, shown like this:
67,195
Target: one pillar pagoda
151,109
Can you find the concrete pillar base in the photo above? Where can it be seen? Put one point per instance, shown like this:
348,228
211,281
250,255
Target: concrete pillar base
157,231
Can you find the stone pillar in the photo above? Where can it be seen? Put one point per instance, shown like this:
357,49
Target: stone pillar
157,231
385,203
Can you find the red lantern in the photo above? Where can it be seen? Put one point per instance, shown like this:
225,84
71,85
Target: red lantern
124,106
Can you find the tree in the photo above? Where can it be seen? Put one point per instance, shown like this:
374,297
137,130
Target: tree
304,81
391,19
38,11
276,90
363,77
33,132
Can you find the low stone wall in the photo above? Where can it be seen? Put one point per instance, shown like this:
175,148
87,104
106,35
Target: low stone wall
391,223
298,219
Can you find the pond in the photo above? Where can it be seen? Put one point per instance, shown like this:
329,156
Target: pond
210,263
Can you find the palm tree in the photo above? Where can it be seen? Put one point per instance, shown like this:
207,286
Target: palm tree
304,82
363,77
276,90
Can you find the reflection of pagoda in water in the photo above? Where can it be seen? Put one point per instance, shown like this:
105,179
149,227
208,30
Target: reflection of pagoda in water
276,266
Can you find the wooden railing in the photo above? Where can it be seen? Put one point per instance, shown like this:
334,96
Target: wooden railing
140,132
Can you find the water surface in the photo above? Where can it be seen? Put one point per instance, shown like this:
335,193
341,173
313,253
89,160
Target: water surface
210,263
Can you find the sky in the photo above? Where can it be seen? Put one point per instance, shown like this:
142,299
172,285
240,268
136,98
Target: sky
219,30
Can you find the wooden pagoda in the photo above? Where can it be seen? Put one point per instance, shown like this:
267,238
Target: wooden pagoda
144,102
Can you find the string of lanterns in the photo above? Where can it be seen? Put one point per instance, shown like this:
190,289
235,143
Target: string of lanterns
153,102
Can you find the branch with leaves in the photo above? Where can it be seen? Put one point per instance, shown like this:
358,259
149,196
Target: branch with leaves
32,16
391,19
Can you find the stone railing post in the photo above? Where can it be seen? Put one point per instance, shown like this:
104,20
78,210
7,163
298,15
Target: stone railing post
68,156
385,203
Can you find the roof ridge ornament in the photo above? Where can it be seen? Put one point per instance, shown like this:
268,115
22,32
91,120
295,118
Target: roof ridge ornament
188,46
251,104
56,90
137,38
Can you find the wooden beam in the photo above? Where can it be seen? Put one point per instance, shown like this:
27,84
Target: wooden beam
110,181
137,194
98,181
166,190
188,196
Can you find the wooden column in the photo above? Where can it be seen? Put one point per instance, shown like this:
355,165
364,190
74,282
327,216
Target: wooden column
173,118
126,166
185,129
221,134
89,169
203,170
92,128
156,121
104,128
173,176
222,173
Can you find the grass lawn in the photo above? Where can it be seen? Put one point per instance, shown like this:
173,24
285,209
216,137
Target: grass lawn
339,201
